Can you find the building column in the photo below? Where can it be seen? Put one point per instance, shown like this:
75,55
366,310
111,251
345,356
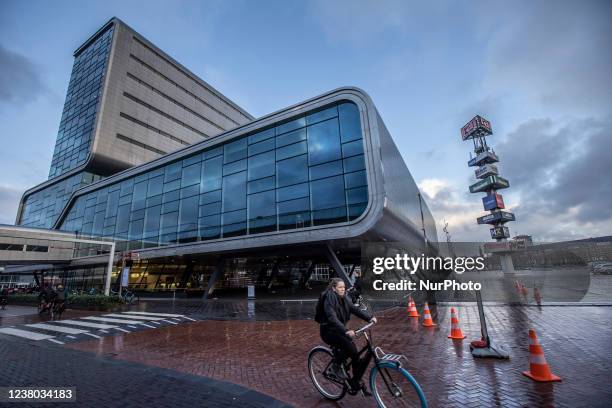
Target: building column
335,263
217,274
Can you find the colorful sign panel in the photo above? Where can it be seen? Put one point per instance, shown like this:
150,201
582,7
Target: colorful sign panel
500,232
489,183
483,158
493,202
486,170
496,217
476,127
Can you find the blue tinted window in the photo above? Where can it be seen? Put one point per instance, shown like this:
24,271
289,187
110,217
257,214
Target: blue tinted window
169,223
233,223
354,163
292,171
261,147
292,192
357,195
191,175
326,170
235,150
172,172
291,125
352,148
294,214
189,213
172,185
261,165
291,150
152,215
140,194
214,152
210,197
212,171
356,179
350,125
210,209
234,167
234,192
263,184
323,142
322,115
328,193
290,138
262,135
262,212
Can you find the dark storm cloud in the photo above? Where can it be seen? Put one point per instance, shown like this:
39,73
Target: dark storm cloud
19,80
557,52
561,169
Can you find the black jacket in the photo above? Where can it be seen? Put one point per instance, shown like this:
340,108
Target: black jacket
338,312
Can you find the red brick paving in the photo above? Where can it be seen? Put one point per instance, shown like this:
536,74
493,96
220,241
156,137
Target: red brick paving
270,357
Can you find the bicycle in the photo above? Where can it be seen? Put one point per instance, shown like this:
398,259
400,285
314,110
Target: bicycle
391,384
58,308
127,296
45,306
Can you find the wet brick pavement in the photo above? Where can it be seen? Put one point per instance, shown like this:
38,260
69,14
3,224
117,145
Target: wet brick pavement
260,350
103,382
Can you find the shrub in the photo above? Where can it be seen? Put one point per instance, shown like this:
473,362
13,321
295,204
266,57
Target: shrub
89,302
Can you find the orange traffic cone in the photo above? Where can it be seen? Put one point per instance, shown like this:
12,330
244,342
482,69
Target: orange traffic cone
455,330
427,321
412,310
538,367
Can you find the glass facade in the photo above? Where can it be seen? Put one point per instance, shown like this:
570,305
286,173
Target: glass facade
304,172
41,209
78,117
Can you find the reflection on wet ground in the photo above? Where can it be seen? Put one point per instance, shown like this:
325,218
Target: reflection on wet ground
270,356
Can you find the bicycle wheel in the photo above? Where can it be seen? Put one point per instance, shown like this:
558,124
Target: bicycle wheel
319,362
393,386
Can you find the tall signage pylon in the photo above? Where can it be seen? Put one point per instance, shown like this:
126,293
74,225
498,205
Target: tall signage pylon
489,182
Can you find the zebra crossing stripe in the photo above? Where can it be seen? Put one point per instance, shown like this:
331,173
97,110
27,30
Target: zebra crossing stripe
134,327
86,324
157,323
169,321
123,330
133,317
151,327
56,341
58,329
92,335
154,314
110,320
189,318
25,334
70,337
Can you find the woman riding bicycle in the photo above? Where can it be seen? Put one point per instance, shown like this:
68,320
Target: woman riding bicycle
337,311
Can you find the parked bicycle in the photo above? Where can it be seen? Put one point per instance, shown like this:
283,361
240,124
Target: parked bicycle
391,384
127,296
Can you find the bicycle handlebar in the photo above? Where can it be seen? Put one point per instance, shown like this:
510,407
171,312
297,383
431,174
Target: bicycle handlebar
364,328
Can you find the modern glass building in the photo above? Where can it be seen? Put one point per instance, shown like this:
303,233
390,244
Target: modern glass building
127,103
265,202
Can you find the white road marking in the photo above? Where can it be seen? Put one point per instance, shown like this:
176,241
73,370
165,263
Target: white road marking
103,331
151,327
169,321
175,319
59,329
123,330
157,323
110,320
140,317
189,318
92,335
56,341
155,314
134,327
70,337
24,333
86,324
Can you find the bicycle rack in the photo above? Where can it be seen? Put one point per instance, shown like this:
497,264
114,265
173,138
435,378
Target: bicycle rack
396,358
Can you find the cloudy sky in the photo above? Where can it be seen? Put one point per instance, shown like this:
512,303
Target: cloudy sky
540,71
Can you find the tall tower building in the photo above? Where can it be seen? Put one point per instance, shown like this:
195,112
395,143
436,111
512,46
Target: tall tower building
127,103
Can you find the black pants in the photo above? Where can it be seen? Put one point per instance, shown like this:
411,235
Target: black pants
347,349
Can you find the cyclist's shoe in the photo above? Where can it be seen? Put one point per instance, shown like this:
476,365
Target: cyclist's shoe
365,391
337,370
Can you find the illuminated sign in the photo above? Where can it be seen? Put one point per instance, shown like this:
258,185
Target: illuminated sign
496,217
493,202
489,183
476,127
